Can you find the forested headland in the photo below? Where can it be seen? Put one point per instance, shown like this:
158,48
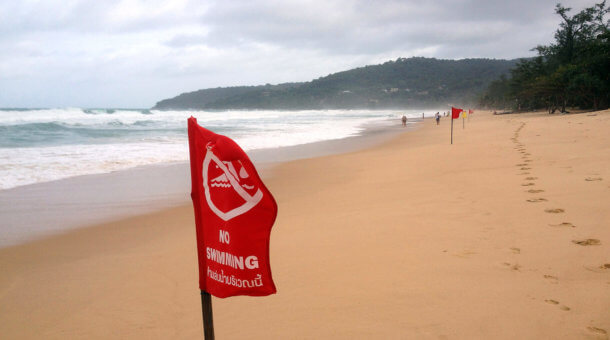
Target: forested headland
574,71
403,83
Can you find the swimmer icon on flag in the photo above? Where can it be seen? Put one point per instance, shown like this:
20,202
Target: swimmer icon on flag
234,213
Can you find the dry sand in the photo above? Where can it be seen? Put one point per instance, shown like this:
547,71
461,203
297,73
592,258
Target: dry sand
412,239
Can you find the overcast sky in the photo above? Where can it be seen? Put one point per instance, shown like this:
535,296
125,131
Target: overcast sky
133,53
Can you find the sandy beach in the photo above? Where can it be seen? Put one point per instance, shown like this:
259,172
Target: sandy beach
503,235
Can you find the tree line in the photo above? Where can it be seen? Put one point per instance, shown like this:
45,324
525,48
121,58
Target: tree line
573,71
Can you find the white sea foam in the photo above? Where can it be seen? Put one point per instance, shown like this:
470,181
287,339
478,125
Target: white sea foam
50,144
21,166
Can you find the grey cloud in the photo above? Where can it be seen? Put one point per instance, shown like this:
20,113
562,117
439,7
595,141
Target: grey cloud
20,17
117,52
352,27
89,16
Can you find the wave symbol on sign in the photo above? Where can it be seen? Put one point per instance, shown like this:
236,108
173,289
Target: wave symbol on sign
228,179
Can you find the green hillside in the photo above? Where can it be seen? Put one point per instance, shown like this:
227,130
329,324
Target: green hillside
403,83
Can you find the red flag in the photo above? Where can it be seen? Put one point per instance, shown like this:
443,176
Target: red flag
470,112
234,213
455,112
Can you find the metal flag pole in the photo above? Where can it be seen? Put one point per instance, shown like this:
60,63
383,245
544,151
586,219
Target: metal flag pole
206,310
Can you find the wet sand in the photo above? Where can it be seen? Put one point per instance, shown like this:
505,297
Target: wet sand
504,234
38,210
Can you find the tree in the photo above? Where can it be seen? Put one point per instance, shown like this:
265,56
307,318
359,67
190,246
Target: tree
574,70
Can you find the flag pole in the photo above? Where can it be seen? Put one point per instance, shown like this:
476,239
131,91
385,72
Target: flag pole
206,311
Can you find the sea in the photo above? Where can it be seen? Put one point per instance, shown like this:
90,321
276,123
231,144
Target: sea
68,168
40,145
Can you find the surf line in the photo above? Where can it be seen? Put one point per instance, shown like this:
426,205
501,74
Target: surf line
233,261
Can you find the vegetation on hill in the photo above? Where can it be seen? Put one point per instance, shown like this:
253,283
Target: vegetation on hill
402,83
574,71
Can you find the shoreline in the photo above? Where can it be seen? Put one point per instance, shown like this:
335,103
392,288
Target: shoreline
412,238
102,198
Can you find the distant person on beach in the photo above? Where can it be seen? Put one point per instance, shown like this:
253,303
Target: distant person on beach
437,116
404,120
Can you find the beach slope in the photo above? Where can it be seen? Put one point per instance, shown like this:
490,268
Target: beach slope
504,234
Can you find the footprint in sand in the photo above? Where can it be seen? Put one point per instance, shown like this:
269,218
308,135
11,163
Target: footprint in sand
592,179
515,250
535,200
514,267
521,164
524,173
563,224
588,242
535,191
525,168
554,211
605,266
527,160
531,178
528,184
554,302
598,331
552,279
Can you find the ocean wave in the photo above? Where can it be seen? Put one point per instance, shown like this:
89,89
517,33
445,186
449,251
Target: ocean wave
58,133
22,166
47,144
